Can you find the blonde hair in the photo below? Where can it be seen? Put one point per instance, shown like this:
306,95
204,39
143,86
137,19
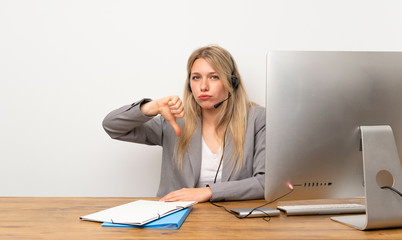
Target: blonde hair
238,104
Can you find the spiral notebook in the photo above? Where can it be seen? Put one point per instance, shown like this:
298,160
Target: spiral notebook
137,213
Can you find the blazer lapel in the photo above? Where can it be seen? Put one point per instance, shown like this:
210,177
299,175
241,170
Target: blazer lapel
194,155
194,159
227,159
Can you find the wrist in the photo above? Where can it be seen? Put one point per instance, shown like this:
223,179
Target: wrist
149,108
209,192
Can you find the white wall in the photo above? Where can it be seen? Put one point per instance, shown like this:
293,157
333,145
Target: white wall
65,64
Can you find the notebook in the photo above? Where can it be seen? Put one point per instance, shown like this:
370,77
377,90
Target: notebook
171,221
138,212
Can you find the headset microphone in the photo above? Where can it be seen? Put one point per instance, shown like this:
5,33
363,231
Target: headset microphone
220,103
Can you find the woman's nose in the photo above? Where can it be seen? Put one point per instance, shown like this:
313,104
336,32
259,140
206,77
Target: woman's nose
204,85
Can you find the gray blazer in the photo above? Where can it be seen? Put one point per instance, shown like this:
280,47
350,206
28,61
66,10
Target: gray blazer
129,124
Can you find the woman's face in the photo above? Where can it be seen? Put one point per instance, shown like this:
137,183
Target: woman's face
206,85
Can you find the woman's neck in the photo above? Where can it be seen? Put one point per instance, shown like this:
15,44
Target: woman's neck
212,136
210,116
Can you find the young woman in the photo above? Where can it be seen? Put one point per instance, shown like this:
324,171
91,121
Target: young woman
213,140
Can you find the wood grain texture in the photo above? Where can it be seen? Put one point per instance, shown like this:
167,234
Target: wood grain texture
58,218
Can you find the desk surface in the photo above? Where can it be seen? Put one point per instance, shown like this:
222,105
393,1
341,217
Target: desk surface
58,218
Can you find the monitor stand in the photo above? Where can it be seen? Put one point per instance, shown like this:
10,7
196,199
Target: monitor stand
382,167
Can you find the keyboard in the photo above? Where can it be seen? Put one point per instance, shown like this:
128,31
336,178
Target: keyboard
342,208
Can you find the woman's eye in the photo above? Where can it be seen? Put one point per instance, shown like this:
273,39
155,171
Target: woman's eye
195,77
215,77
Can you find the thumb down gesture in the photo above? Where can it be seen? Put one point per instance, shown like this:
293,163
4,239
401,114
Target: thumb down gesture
170,107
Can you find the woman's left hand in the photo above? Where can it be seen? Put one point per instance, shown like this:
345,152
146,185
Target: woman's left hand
189,194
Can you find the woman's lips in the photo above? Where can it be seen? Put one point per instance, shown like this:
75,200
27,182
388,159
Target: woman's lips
204,97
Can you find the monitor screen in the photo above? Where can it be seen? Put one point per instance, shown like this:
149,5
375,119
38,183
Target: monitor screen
315,104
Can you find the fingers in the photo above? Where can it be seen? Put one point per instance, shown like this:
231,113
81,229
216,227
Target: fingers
174,196
168,197
176,107
171,108
189,194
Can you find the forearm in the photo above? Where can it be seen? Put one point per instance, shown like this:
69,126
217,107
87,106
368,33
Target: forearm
245,189
123,120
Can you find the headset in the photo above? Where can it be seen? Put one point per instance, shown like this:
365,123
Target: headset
233,80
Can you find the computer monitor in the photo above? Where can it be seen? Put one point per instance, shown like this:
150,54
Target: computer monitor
316,102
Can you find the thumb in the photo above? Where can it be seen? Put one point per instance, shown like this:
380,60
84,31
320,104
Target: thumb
165,111
175,126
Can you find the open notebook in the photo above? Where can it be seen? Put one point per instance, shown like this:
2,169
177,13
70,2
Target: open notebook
138,212
171,221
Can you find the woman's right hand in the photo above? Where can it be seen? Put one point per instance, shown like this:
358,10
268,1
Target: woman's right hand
170,108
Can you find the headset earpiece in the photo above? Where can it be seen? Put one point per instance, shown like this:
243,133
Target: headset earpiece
234,80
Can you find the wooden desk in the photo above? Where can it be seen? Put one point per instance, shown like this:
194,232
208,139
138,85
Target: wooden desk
58,218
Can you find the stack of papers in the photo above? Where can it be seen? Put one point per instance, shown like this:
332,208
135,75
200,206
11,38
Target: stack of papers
141,212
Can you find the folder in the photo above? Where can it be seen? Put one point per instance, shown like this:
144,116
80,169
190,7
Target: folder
171,221
138,212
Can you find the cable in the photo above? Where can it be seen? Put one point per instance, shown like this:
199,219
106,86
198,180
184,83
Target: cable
224,143
276,199
267,218
392,189
242,217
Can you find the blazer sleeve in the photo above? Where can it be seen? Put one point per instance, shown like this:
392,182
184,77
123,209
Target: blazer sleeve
251,186
128,123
